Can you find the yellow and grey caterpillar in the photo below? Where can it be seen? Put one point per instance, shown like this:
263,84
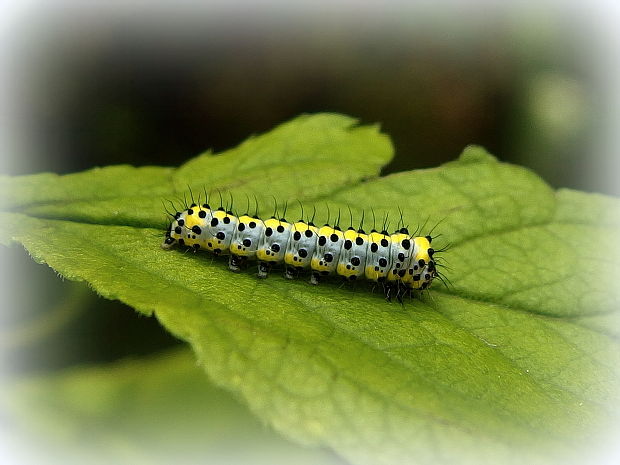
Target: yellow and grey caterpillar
399,261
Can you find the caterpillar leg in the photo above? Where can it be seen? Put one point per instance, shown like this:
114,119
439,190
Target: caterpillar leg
314,278
398,292
291,272
392,290
263,269
387,291
403,291
235,263
168,243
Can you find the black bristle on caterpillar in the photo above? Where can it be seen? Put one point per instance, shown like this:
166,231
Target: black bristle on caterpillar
401,262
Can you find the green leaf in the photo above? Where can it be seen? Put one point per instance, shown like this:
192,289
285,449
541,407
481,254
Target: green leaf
516,362
129,412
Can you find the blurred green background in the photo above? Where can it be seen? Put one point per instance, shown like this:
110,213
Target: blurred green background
96,87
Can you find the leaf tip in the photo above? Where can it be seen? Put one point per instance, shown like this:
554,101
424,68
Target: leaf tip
475,154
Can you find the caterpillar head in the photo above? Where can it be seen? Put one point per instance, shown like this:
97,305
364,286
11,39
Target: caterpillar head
169,242
173,233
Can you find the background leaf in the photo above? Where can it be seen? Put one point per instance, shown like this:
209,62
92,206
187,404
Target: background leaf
519,355
129,412
296,160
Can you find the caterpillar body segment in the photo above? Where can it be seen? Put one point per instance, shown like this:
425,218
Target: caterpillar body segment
300,249
378,257
397,261
273,244
327,253
352,259
400,251
219,230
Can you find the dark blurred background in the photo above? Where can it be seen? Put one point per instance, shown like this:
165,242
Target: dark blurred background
146,84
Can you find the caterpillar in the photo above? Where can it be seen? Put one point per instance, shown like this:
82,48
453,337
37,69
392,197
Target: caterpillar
401,262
